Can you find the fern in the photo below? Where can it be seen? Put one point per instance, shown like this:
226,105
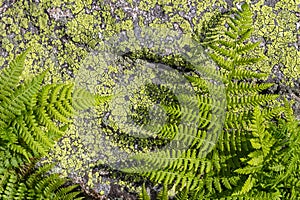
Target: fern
32,118
36,185
269,162
144,195
231,168
28,112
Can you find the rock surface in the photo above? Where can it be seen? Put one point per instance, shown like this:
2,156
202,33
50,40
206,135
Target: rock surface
67,31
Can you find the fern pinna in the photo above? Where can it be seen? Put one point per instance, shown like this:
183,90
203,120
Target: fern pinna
245,162
31,183
32,118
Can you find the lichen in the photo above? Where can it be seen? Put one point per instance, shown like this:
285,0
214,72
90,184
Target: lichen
65,32
276,27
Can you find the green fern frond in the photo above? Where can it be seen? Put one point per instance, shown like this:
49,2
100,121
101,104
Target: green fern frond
202,167
268,114
9,77
144,194
32,117
212,29
23,132
67,194
249,159
250,101
221,61
36,186
230,52
241,88
246,48
163,194
198,82
15,103
182,195
241,74
248,185
181,161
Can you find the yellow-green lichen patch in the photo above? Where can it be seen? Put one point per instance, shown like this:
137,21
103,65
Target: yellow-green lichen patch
277,28
63,29
64,32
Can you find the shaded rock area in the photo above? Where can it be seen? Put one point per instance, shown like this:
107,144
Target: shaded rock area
271,2
131,12
5,5
287,91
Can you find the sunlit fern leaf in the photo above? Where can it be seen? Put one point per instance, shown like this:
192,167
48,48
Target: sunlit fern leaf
32,118
211,30
15,103
61,102
271,113
10,190
241,88
182,195
46,120
220,61
198,82
163,194
228,49
248,185
25,134
9,77
230,52
10,141
67,193
173,160
36,185
144,194
211,169
168,131
242,74
236,102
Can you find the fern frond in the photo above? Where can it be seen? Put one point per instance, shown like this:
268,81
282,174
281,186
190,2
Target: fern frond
248,185
9,77
67,193
241,74
144,194
13,107
241,88
250,101
173,160
247,158
163,194
221,61
247,47
37,185
24,133
31,118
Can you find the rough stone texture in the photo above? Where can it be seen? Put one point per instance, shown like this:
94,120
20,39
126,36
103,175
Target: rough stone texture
271,3
5,5
65,32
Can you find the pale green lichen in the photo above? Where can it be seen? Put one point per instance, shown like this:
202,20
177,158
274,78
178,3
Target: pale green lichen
62,43
277,27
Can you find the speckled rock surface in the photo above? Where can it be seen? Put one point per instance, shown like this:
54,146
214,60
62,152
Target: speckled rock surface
63,33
